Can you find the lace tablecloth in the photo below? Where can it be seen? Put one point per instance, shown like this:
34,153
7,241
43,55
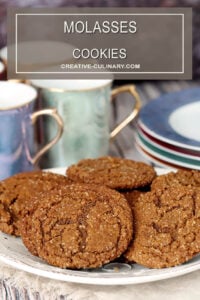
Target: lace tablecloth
19,285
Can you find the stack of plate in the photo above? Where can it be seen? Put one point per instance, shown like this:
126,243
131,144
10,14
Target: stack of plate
169,130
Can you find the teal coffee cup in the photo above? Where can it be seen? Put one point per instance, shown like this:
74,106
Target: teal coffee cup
84,106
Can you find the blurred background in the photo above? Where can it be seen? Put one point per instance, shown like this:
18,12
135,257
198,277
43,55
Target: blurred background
125,144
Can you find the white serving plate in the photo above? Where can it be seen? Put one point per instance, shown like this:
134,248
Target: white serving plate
14,253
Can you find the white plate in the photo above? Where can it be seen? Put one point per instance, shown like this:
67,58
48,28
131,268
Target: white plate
14,253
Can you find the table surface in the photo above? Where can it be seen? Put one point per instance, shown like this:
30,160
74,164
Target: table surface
19,285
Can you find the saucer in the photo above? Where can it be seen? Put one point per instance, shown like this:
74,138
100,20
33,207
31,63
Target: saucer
168,146
155,161
174,118
166,157
168,150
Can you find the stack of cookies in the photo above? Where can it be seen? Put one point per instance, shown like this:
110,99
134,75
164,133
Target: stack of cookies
104,209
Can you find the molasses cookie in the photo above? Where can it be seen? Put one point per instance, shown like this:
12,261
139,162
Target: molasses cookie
166,231
132,196
181,177
113,172
16,193
79,226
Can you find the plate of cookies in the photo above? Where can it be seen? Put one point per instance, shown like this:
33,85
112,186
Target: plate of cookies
105,221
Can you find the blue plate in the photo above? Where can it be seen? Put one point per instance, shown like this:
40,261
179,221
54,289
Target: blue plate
154,117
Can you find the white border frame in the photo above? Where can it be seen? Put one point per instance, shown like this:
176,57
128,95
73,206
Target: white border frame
103,14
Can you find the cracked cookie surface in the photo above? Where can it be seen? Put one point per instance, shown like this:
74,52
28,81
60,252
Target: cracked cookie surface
16,193
166,227
114,172
79,226
181,177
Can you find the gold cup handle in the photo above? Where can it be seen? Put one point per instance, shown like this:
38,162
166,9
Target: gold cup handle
53,113
137,104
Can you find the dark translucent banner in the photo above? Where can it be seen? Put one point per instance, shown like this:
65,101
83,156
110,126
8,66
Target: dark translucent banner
124,43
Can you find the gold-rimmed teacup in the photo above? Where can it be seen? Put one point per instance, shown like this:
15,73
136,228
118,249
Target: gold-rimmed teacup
85,109
18,147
